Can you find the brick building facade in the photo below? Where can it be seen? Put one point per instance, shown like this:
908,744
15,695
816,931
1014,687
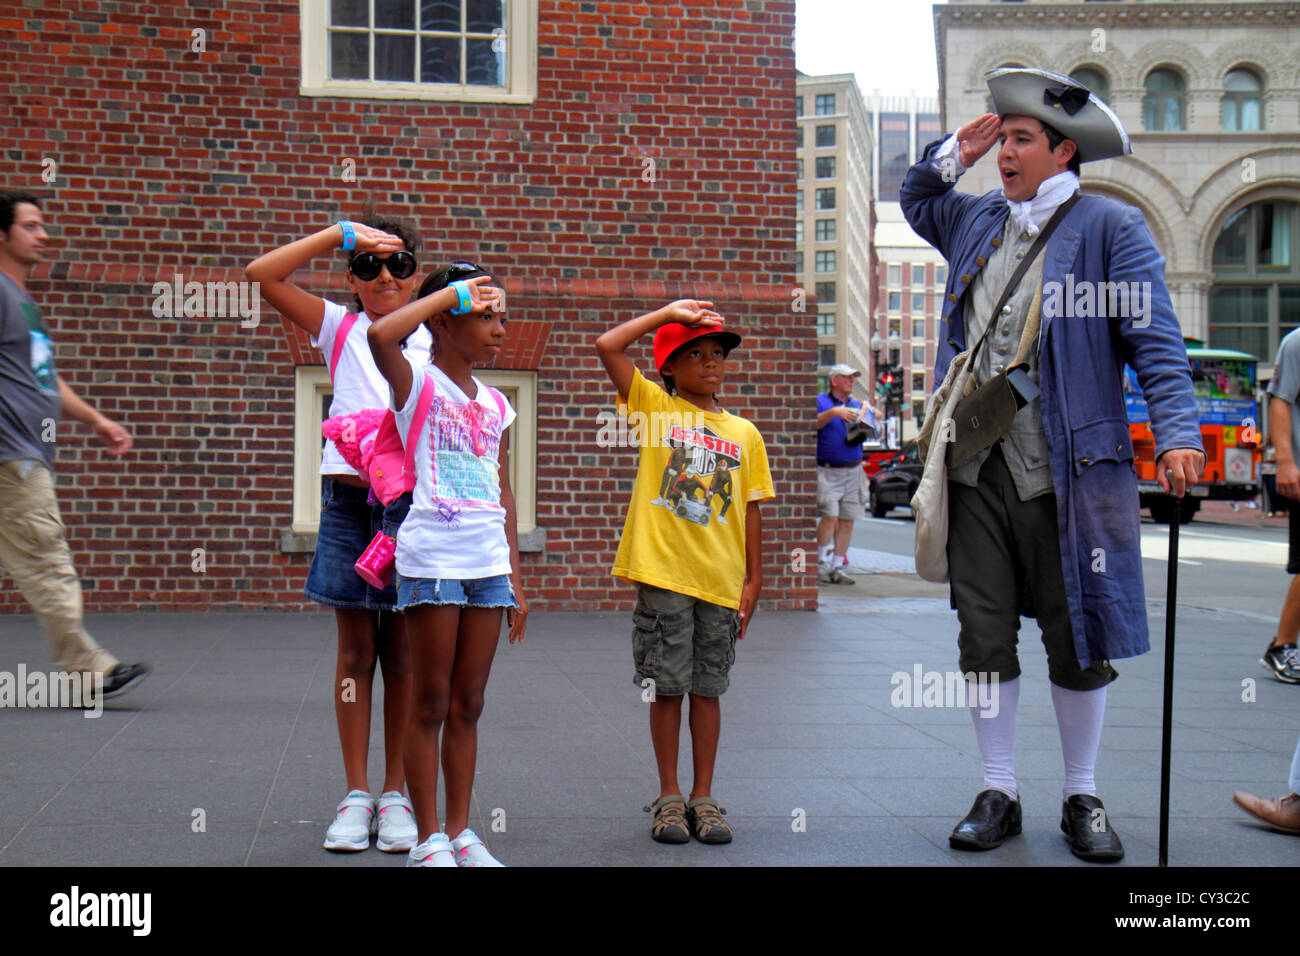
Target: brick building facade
643,153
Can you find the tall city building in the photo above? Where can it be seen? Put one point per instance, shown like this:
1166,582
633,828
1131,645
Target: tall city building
910,273
1210,96
834,219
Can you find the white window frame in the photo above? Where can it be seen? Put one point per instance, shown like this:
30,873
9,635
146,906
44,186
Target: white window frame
520,390
312,387
521,64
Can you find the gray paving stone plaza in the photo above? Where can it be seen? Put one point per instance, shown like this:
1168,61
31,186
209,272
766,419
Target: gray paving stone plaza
816,766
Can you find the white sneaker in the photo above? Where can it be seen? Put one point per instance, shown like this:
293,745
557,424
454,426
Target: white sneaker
397,832
435,851
352,826
470,850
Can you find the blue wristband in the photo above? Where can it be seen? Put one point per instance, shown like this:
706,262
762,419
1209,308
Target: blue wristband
466,302
349,234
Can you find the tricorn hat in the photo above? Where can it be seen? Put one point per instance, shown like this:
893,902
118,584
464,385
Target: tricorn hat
1063,102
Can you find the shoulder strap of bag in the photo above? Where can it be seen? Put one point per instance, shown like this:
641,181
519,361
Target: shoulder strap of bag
1025,263
417,422
340,337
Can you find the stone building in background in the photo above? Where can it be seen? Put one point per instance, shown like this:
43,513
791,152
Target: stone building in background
1210,96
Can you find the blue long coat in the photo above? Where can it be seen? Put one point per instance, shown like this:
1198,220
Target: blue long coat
1080,363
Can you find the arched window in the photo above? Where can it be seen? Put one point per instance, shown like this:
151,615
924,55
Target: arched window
1093,79
1242,91
1256,295
1162,107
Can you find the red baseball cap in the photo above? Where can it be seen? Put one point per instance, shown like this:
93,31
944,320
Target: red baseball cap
669,338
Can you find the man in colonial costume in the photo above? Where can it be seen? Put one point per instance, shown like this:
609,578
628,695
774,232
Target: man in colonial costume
1045,521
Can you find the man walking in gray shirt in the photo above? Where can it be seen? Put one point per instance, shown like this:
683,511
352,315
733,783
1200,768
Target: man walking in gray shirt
33,549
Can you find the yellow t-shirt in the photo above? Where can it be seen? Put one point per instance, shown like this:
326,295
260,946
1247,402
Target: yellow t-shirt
693,463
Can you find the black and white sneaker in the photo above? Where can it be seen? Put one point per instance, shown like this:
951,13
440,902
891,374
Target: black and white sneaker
1283,661
124,677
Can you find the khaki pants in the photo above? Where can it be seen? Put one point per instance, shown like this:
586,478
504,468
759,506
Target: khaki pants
34,552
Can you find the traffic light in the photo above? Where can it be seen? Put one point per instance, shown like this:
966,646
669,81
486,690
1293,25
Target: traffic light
896,387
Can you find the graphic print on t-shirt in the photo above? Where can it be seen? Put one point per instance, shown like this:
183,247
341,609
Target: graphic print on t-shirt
42,351
465,442
698,470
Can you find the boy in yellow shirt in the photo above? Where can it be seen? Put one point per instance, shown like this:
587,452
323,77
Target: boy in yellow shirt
698,576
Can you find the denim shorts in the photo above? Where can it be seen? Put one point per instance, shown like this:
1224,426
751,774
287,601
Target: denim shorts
473,592
347,526
681,643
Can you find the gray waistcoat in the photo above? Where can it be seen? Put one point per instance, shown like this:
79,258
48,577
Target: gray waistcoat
1025,444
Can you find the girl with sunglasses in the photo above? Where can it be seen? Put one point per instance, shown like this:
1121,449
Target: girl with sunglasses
381,275
457,550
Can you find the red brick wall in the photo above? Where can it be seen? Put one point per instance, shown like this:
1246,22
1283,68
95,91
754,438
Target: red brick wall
174,161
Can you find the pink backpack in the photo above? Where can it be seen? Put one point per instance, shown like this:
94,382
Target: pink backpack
392,469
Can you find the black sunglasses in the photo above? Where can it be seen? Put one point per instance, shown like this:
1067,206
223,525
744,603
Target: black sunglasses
367,265
460,270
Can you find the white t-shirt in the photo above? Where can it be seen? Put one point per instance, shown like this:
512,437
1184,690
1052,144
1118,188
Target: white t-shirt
456,527
358,382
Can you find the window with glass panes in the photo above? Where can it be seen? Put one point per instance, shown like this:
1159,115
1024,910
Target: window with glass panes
1242,93
825,291
918,276
798,169
798,202
824,198
461,44
940,275
825,260
1255,299
918,354
918,412
825,323
895,301
825,167
826,135
918,302
825,355
918,381
798,230
1162,107
798,106
798,137
895,276
918,330
824,230
825,104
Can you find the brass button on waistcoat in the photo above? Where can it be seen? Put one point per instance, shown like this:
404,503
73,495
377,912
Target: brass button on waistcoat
965,277
980,260
997,243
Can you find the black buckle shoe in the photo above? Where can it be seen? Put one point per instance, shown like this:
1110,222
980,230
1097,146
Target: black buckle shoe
993,818
1087,828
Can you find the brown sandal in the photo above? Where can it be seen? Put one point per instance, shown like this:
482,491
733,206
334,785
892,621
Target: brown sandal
705,819
670,819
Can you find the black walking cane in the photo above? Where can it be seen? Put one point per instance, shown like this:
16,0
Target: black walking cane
1171,602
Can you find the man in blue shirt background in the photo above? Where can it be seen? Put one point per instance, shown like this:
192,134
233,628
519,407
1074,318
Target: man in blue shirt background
839,475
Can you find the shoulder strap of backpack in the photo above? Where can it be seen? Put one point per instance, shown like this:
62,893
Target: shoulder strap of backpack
422,405
340,337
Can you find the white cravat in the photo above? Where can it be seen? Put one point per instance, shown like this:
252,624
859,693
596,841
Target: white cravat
1031,215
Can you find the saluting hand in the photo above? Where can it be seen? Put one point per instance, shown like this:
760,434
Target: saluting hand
976,138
